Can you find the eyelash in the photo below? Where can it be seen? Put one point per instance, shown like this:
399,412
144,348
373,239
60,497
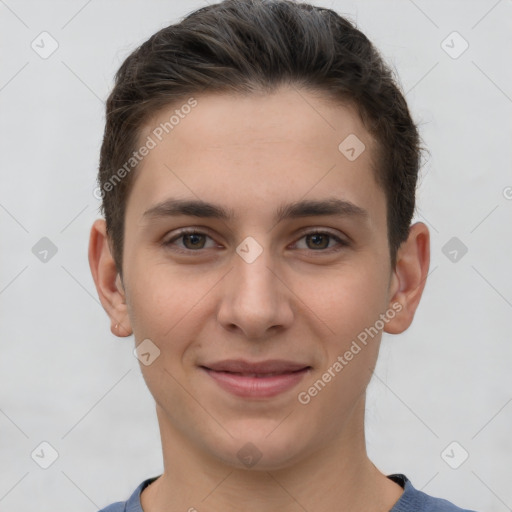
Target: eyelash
342,243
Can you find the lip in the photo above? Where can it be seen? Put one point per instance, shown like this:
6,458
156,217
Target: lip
262,379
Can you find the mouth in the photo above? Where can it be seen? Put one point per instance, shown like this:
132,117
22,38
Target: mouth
263,379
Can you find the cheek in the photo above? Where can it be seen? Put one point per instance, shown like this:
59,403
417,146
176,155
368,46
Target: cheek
346,301
162,296
349,305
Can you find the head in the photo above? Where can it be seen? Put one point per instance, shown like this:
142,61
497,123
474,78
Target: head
282,116
248,46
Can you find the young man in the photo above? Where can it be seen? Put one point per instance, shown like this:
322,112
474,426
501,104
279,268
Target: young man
258,177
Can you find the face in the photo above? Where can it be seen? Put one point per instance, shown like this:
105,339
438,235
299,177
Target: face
282,273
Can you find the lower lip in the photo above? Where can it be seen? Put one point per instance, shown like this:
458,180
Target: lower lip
256,387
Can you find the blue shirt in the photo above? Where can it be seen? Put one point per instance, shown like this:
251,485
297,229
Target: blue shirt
411,499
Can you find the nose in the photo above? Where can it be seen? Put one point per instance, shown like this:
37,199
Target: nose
256,300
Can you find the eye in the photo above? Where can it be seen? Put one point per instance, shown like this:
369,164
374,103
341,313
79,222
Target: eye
192,240
320,240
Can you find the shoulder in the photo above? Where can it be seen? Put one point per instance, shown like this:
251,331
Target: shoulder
119,506
133,502
413,500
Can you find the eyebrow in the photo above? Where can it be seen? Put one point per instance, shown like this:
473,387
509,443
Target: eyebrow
306,208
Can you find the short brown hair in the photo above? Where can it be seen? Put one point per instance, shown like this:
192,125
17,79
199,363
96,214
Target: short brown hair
245,46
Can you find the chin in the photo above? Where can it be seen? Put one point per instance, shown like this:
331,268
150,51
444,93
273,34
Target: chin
265,449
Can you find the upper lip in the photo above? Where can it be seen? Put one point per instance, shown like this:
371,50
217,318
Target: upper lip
261,367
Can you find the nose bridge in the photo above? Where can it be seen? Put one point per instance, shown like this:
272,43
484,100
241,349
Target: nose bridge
254,298
255,283
254,277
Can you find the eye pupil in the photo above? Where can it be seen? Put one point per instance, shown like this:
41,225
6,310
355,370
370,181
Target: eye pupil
316,237
194,237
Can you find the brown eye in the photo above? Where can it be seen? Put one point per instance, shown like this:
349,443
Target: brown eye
321,241
194,239
318,240
191,241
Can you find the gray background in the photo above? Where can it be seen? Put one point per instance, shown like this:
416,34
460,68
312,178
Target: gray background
66,380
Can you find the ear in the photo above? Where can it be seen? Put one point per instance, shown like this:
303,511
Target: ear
409,277
108,282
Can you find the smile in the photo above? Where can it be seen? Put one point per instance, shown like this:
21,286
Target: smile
256,380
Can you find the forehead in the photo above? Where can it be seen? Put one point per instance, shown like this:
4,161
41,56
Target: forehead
251,150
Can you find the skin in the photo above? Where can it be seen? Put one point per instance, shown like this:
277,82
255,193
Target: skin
296,301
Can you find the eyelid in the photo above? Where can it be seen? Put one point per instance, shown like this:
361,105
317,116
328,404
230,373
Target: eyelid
342,241
186,231
310,230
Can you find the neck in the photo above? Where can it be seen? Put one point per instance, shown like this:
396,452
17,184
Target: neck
338,476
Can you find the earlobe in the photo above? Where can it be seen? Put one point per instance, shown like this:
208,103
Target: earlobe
409,277
109,284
